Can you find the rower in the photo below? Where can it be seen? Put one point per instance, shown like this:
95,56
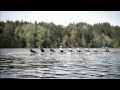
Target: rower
42,50
51,50
106,50
78,49
70,50
95,50
61,50
32,50
87,50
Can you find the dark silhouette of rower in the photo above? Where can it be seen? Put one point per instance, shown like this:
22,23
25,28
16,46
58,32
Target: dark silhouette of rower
51,50
42,50
32,51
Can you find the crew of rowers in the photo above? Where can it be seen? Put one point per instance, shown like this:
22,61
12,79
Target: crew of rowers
69,49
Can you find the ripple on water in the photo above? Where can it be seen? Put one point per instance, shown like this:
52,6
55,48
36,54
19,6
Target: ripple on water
60,66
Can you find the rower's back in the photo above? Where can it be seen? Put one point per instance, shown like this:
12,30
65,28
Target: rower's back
32,51
78,49
61,50
42,50
106,50
51,50
70,50
95,50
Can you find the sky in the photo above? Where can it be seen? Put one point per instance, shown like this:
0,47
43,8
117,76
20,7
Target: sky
63,17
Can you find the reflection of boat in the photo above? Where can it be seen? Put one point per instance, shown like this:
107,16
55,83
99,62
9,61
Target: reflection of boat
64,52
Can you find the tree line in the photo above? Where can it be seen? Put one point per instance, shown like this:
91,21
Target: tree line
21,34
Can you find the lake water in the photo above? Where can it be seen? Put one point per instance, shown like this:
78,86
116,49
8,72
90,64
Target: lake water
59,66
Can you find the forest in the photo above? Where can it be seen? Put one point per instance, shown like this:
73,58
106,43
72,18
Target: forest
23,34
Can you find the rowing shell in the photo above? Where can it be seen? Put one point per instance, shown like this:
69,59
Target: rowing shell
60,53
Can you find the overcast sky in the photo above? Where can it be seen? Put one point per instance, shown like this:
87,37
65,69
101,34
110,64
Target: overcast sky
63,17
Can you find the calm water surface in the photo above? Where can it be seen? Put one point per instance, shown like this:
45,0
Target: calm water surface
59,66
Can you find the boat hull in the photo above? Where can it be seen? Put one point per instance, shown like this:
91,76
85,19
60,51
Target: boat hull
61,53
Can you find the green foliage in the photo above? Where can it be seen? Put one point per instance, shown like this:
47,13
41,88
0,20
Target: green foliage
21,34
83,41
